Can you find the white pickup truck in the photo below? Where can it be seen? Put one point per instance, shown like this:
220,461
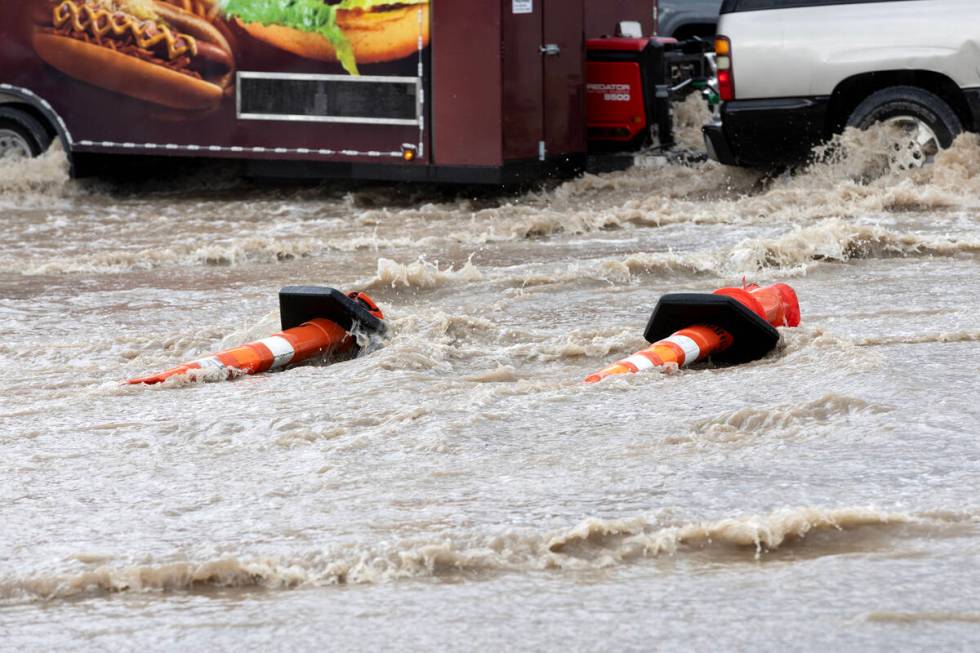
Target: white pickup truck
792,73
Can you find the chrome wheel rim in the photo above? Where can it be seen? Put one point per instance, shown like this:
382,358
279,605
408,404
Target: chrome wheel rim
916,143
13,145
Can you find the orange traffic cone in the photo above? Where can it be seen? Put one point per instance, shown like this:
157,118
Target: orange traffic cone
315,321
732,325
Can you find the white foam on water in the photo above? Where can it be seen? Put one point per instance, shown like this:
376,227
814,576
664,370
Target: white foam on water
592,544
421,274
45,176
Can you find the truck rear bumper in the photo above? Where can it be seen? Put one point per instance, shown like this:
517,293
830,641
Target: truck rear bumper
716,145
765,133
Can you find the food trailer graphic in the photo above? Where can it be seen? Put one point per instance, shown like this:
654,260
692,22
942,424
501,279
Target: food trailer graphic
488,91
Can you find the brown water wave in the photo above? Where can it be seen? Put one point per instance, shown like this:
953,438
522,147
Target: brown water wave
792,254
592,544
835,240
240,251
784,420
817,203
43,177
921,338
911,618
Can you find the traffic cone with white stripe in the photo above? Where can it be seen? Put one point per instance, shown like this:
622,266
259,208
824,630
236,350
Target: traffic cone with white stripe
731,325
315,321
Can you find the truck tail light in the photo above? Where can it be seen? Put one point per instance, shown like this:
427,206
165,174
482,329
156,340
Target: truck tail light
726,73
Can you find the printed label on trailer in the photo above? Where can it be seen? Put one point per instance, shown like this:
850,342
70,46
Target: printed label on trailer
611,92
523,6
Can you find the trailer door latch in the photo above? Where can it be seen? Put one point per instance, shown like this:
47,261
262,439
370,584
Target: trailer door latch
550,50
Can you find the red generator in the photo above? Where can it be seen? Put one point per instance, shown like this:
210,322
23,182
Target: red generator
629,88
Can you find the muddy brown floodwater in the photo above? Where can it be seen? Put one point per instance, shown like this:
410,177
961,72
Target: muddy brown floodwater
458,486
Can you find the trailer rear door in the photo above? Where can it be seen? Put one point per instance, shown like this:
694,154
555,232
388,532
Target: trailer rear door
543,73
523,79
563,53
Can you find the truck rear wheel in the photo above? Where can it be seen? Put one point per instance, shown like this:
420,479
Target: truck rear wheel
922,122
21,135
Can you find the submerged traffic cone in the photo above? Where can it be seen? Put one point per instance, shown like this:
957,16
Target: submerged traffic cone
732,325
315,321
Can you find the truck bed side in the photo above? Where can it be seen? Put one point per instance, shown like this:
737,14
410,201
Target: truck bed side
807,51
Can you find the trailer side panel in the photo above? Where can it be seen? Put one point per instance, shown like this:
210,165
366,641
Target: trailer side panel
466,78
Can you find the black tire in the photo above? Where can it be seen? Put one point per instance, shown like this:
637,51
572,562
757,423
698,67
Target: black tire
911,102
38,138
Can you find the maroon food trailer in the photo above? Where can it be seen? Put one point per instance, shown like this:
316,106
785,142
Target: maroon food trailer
490,91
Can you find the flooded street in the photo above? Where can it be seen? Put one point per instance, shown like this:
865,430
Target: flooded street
458,486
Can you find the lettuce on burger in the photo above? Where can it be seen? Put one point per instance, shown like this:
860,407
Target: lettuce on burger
344,31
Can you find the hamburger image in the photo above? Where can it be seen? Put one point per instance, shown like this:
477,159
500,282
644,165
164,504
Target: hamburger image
349,32
150,50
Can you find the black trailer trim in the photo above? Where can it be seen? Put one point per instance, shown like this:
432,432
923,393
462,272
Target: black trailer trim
380,169
511,173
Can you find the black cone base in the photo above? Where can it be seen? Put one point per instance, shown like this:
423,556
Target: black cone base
299,304
753,337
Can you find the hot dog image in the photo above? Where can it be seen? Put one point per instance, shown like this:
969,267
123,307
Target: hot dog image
209,10
348,32
146,49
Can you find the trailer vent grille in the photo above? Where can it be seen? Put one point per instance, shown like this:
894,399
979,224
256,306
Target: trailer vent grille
328,98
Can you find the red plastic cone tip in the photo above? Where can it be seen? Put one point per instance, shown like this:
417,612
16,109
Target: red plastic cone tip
776,304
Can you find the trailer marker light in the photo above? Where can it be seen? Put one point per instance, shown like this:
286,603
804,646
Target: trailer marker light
408,152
